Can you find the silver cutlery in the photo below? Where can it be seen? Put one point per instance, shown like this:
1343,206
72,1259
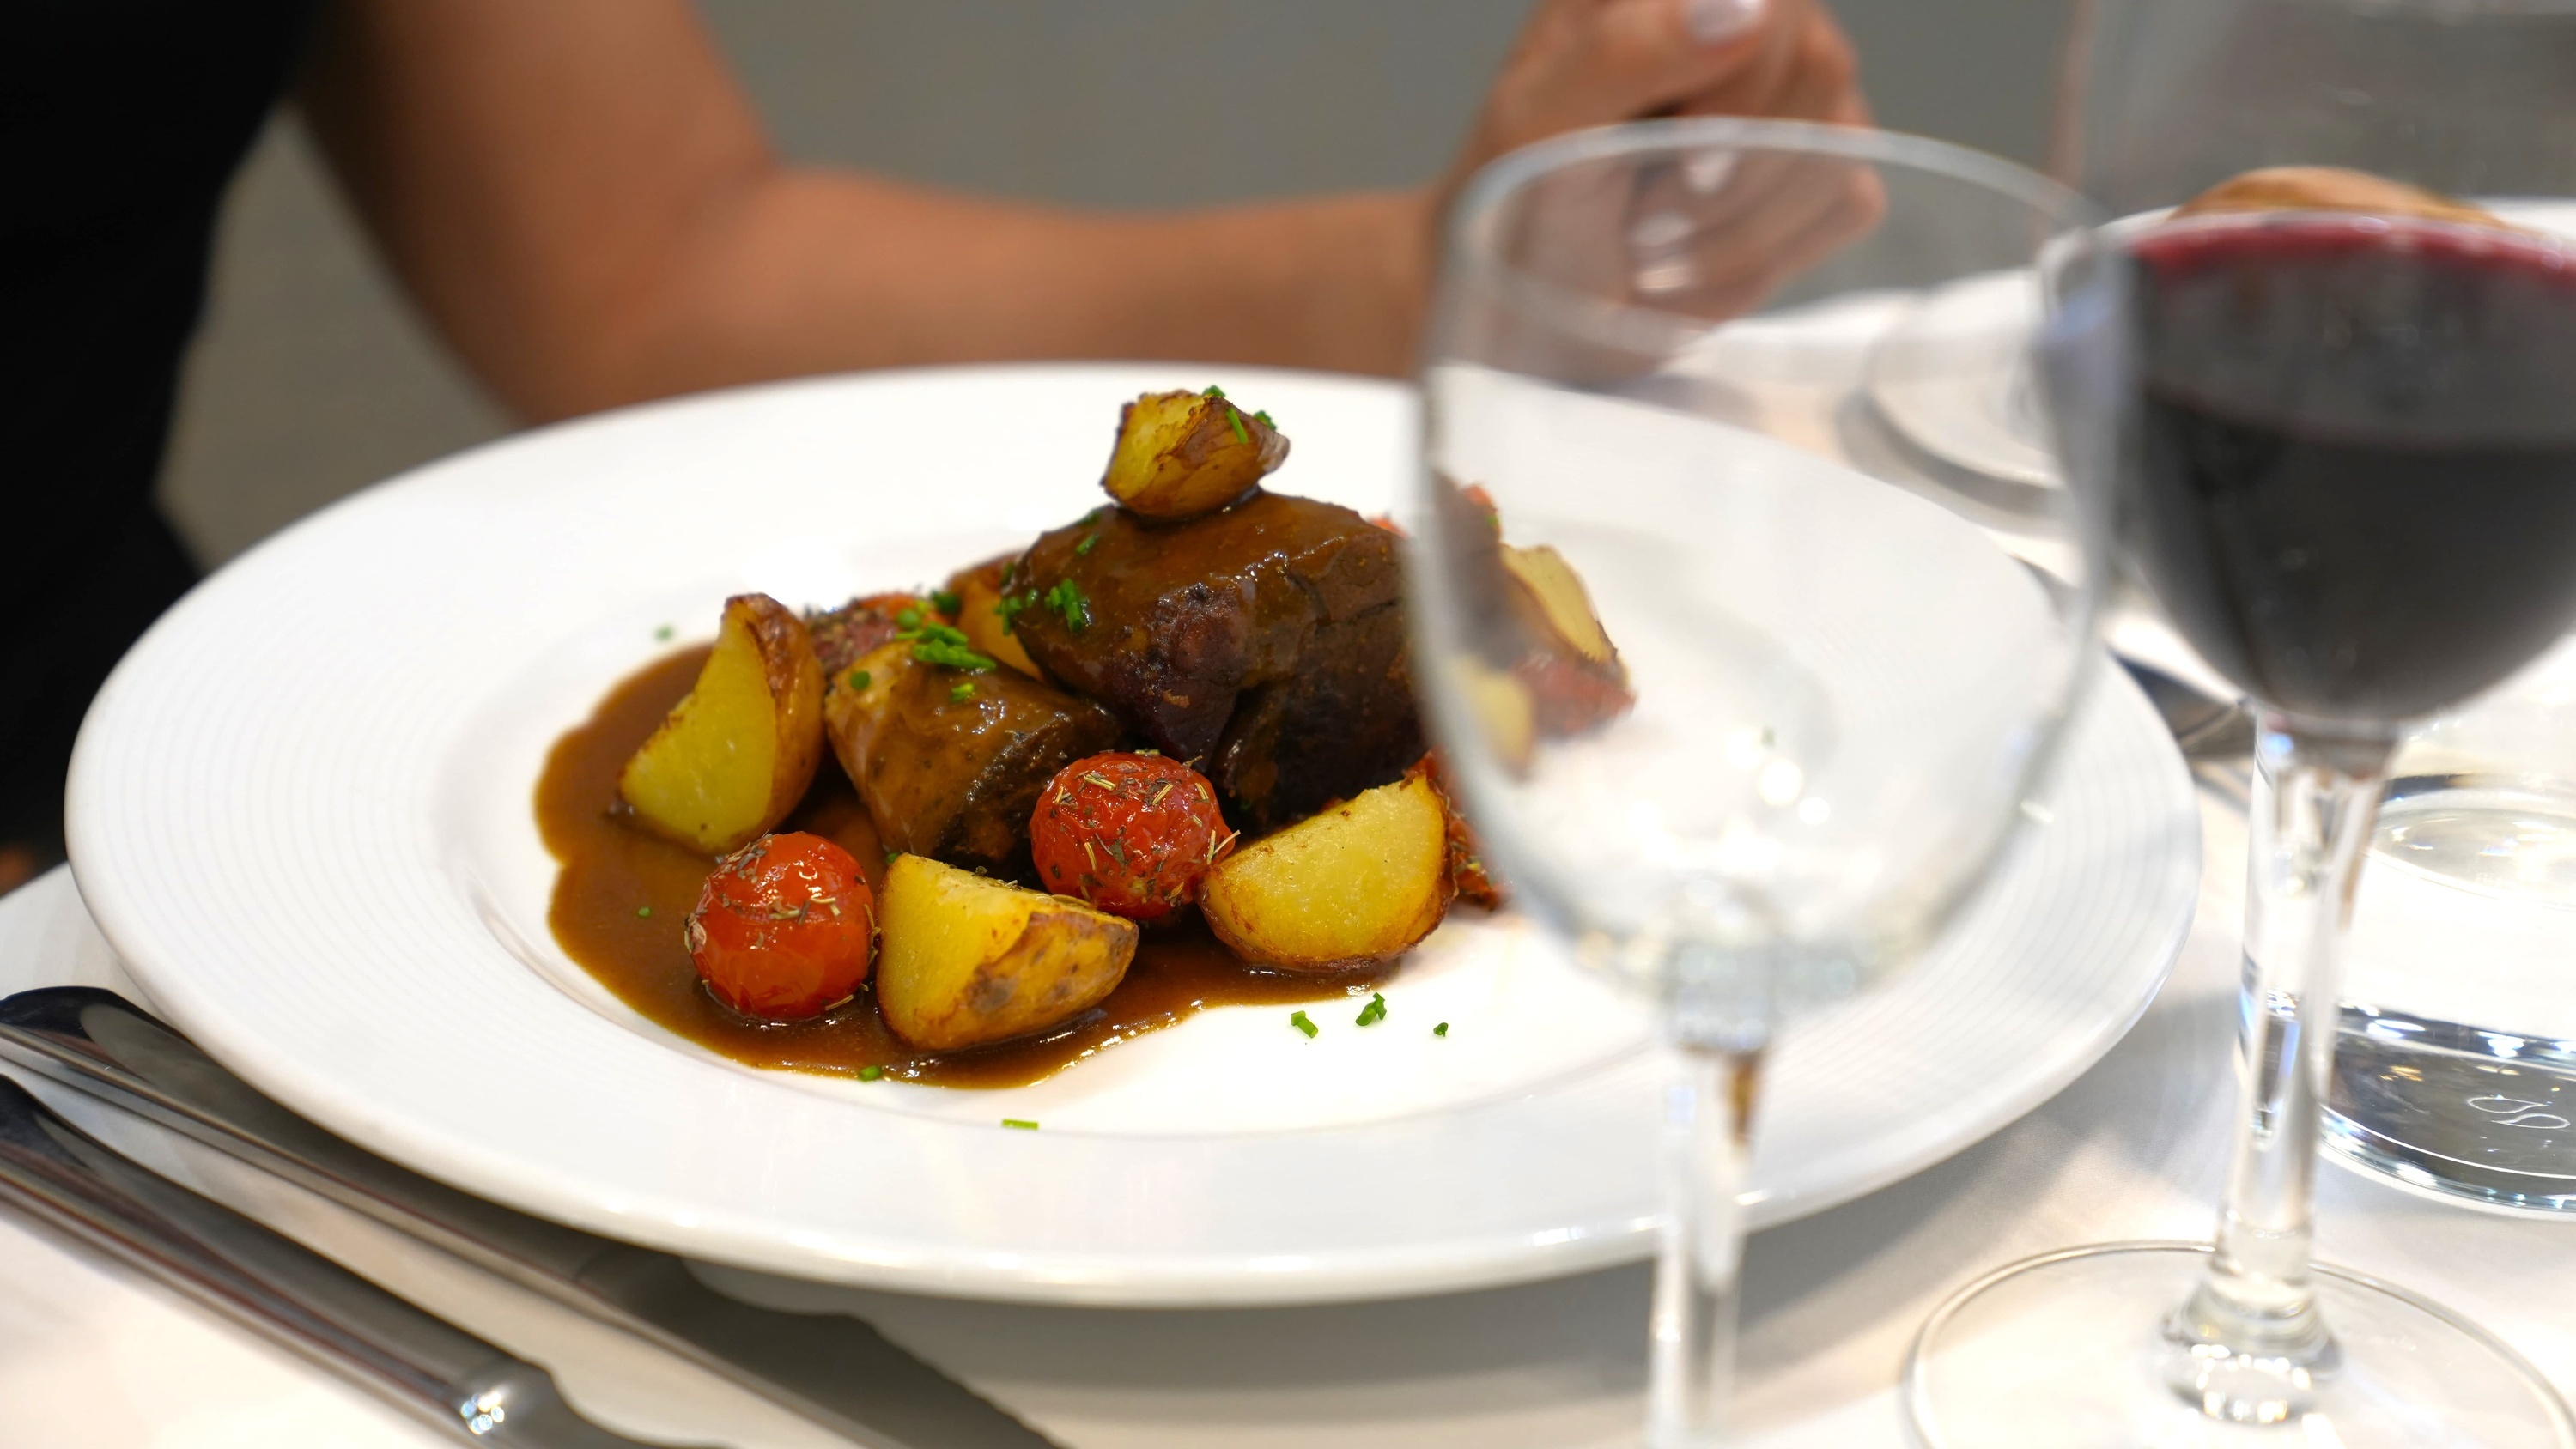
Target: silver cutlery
277,1287
2205,726
2216,735
830,1368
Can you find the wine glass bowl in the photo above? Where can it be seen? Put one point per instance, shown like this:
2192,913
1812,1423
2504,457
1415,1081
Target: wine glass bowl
1741,715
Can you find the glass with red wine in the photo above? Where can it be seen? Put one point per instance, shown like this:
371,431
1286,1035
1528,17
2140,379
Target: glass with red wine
2350,485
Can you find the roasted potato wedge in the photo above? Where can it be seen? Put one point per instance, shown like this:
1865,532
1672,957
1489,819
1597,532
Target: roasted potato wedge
738,752
1181,454
1503,708
979,614
1563,607
967,960
1360,882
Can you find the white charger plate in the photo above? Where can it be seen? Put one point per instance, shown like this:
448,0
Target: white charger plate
301,812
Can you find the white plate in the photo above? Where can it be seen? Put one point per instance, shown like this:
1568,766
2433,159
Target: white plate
1953,376
301,812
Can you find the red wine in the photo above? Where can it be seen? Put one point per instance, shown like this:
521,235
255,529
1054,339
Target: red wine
2356,487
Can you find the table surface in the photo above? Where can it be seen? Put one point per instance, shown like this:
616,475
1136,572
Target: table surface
2134,1149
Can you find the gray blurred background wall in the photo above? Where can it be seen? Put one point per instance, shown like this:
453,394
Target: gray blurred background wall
313,378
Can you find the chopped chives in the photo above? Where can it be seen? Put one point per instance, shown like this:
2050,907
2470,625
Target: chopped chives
1021,1123
1441,1030
1066,598
664,633
960,692
858,679
644,910
1375,1011
1303,1022
870,1073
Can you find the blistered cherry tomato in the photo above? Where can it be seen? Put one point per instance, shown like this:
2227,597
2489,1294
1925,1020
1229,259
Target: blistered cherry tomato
785,927
1132,834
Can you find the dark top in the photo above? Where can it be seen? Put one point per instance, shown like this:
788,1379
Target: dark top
120,123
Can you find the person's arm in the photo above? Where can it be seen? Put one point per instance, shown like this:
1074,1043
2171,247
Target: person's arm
582,199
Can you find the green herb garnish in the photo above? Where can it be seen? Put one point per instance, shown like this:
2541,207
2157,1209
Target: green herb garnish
937,643
1441,1030
960,692
945,601
1020,1123
1303,1022
870,1074
891,854
1236,418
1213,391
1084,547
1375,1011
1011,605
645,911
1066,599
1265,421
663,634
908,619
858,679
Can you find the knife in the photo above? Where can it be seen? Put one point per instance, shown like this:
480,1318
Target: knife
68,1180
2216,736
831,1368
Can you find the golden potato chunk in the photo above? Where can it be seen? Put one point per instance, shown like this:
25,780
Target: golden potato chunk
979,614
1360,882
738,752
1502,707
1561,600
967,960
1181,454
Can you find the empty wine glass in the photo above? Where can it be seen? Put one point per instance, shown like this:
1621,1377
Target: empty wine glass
1741,713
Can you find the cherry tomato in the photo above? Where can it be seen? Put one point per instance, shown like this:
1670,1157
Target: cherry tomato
785,927
1131,834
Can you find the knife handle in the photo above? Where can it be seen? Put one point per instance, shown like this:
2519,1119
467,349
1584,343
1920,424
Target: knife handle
117,1050
68,1180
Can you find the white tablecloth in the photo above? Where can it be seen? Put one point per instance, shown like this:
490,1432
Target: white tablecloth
90,1358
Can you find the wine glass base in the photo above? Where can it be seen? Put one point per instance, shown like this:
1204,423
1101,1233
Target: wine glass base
2068,1351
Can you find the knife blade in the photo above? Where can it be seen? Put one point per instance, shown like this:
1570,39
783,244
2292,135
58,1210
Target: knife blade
830,1368
68,1180
2216,736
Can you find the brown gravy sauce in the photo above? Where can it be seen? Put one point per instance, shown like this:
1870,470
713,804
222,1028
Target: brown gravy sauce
624,895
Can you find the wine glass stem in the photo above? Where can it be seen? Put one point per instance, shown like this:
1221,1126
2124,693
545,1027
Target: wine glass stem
1708,1110
2316,795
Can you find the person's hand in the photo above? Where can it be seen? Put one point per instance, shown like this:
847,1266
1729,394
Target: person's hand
1710,236
1583,63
